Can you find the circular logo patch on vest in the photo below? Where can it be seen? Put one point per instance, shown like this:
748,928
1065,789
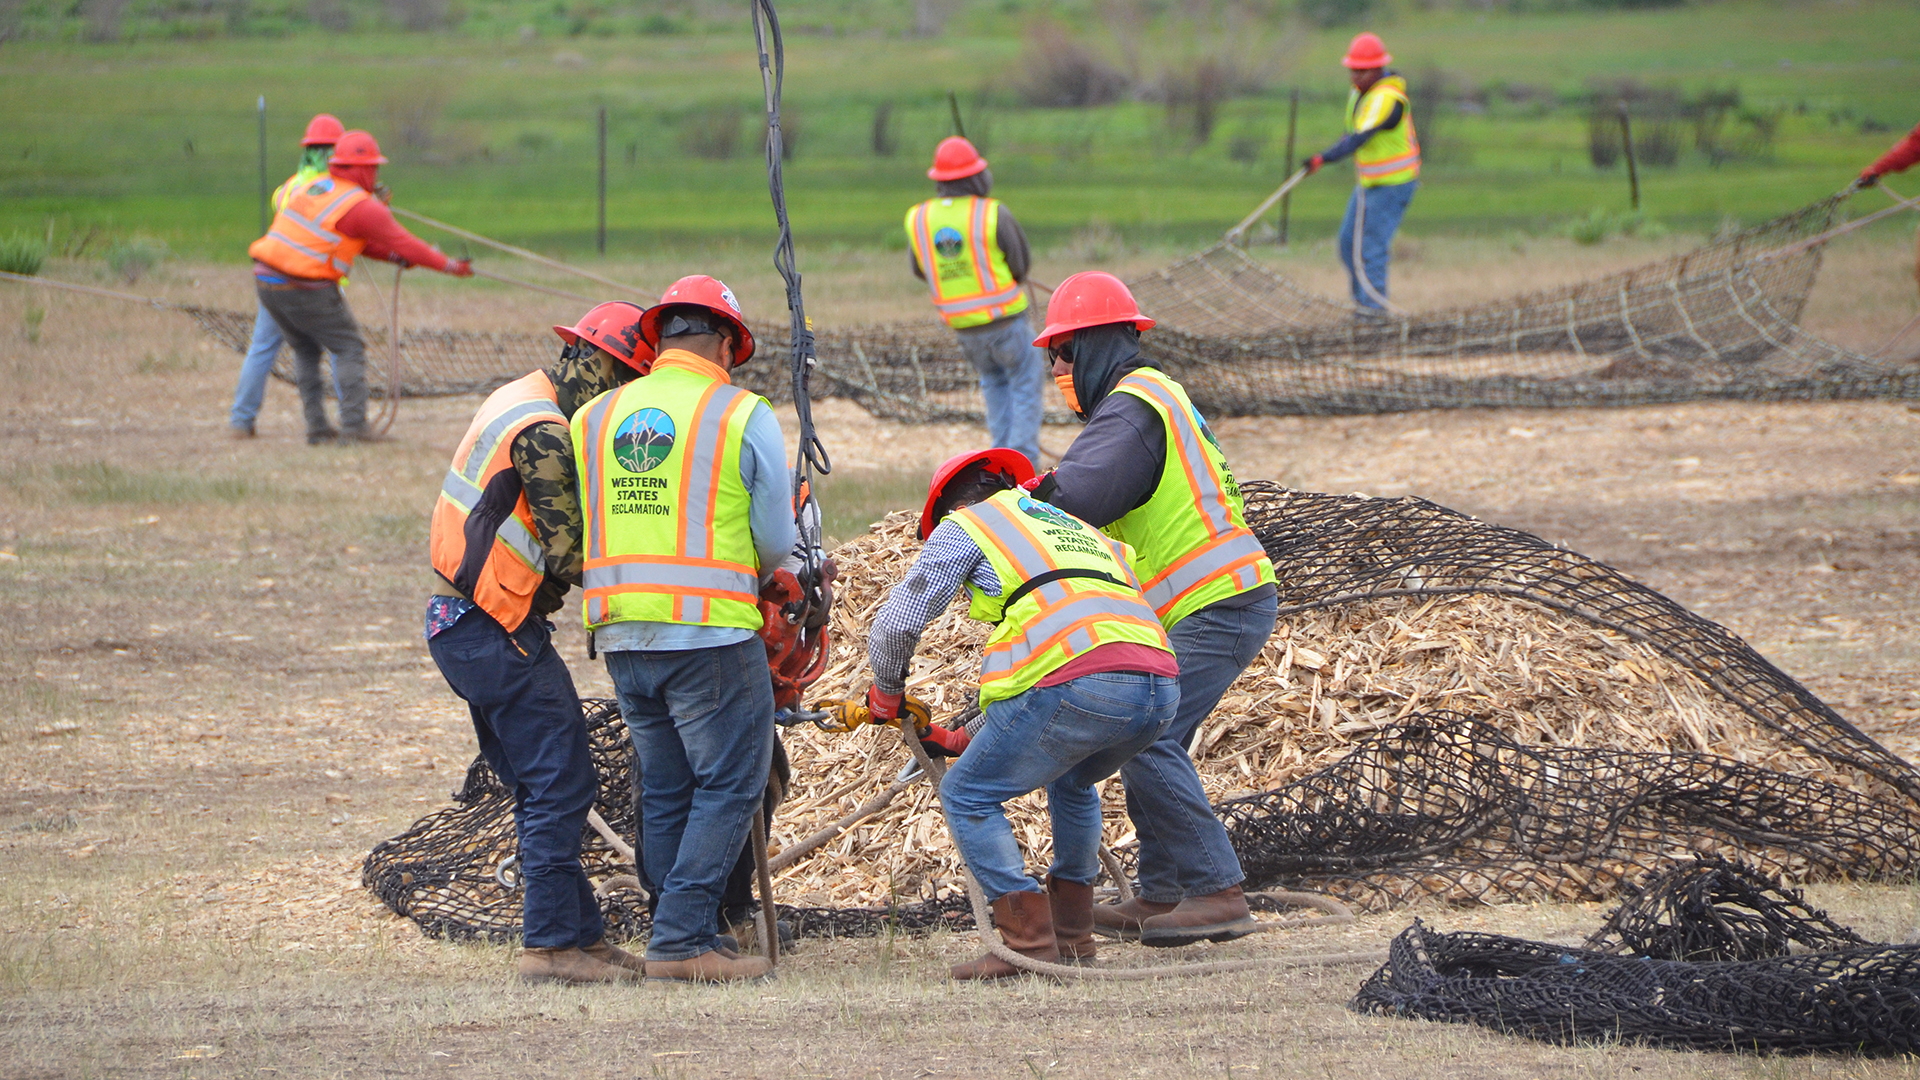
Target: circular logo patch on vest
1047,514
643,440
948,242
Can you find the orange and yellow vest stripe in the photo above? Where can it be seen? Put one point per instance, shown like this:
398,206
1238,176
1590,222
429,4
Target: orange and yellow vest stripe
302,242
1393,156
954,241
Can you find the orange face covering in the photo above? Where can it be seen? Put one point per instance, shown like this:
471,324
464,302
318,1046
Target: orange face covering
1065,383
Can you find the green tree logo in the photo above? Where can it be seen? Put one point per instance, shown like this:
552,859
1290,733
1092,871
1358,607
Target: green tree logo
643,441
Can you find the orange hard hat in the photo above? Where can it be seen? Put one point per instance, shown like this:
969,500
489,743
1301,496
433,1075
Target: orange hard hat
955,159
324,129
1009,463
1090,298
699,290
615,327
1367,51
356,147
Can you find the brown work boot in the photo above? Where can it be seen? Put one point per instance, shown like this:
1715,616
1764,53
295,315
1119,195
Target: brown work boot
711,966
608,953
569,966
1123,920
1220,916
1025,922
1072,909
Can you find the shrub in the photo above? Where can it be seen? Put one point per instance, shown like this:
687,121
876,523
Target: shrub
1598,225
131,259
711,132
1194,97
1603,138
884,143
1335,12
1063,73
21,254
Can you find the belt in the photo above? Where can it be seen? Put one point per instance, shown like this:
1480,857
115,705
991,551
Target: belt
302,284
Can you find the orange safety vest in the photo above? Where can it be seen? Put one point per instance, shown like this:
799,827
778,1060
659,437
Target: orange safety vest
482,540
302,242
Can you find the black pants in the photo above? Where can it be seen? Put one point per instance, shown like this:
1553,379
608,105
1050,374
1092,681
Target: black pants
534,735
313,320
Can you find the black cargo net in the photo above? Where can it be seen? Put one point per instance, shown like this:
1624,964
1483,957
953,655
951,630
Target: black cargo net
1710,955
1439,805
1722,321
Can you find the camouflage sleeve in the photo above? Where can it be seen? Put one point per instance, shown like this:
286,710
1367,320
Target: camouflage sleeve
543,456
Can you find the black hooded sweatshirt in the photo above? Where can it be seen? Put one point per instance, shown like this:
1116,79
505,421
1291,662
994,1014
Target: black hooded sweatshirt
1114,465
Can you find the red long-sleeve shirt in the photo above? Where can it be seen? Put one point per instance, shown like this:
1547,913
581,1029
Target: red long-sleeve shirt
1904,153
386,238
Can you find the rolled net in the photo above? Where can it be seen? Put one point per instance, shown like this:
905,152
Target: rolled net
1721,321
1438,805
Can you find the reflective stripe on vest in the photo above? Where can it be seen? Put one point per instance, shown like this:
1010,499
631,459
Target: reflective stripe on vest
1391,156
667,535
970,282
504,582
1022,539
302,241
1191,535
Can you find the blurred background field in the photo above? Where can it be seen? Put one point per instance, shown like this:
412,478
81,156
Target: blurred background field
1112,125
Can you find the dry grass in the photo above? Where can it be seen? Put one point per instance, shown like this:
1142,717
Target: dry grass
213,700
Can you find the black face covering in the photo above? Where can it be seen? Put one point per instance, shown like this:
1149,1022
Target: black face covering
1101,356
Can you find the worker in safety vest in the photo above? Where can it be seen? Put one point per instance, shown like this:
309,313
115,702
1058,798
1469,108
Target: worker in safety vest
505,545
974,258
1076,679
322,132
1148,470
689,510
317,231
1386,154
1899,159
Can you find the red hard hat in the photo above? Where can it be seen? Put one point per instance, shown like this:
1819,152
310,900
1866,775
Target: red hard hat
1090,298
700,291
955,159
1367,51
356,147
323,130
1011,463
615,327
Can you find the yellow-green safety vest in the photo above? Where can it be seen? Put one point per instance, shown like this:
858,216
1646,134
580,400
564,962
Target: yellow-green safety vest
954,241
1191,535
1071,586
1391,156
298,180
667,536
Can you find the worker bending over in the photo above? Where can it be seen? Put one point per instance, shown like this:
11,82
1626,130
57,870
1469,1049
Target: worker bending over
1076,679
1386,154
297,268
1899,159
1149,471
974,258
505,546
317,147
688,510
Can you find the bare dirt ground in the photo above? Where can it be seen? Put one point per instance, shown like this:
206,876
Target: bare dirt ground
214,699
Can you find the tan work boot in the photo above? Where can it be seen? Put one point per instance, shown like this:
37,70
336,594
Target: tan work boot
608,953
1025,922
1072,909
1220,916
569,966
711,966
1123,920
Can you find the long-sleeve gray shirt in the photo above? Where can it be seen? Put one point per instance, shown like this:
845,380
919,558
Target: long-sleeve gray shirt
949,560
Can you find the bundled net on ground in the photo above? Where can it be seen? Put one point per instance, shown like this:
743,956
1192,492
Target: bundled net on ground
1709,955
1718,322
1329,760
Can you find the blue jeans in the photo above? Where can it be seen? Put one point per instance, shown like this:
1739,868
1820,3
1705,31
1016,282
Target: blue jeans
702,724
1386,205
533,734
1068,738
1013,375
257,369
1183,847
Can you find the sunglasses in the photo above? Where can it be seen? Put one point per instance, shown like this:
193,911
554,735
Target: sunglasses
1061,350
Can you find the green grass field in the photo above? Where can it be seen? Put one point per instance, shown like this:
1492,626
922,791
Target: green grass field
158,137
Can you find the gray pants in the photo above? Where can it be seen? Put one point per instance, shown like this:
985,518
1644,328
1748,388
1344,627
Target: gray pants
1013,375
313,320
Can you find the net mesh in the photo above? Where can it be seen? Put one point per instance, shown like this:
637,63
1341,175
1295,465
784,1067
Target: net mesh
1701,959
1441,805
1721,321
